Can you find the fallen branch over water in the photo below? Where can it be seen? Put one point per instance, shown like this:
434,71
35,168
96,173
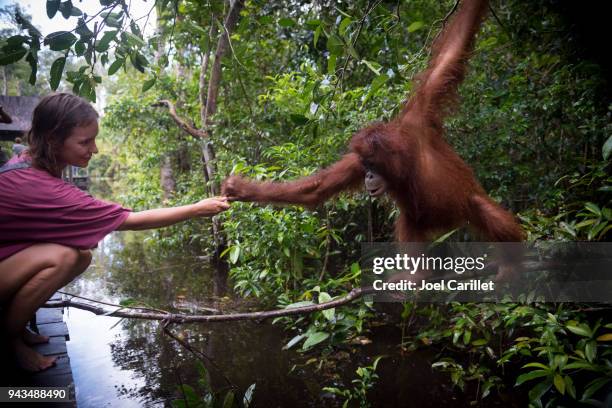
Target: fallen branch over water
99,308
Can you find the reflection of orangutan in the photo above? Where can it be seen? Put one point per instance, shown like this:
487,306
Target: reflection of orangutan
408,157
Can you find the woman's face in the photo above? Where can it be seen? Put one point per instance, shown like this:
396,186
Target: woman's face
80,146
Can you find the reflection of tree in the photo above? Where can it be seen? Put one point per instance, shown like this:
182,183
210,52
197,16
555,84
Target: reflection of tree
247,352
138,270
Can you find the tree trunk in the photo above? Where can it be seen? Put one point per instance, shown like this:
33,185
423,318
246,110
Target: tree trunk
210,108
167,182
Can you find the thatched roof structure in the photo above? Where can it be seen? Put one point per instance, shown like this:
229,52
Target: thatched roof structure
19,109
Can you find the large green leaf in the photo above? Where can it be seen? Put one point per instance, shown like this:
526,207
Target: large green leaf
329,314
52,7
60,40
530,376
57,68
103,44
114,67
314,339
12,54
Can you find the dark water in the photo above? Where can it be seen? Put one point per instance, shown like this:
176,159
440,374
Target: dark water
131,363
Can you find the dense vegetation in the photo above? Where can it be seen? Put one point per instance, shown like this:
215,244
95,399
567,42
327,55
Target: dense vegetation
298,80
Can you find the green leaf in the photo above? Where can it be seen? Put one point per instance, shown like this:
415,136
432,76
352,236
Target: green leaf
329,314
148,84
114,67
479,342
467,335
346,21
536,365
314,339
559,384
228,401
530,376
66,9
317,33
134,39
79,48
286,22
579,365
10,55
594,208
299,304
579,329
138,61
335,45
536,392
57,68
60,40
83,31
606,150
75,12
331,64
373,65
16,40
417,25
52,7
299,120
234,254
103,44
569,386
590,350
594,386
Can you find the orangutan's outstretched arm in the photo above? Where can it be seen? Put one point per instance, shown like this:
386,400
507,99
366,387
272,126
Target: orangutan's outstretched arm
436,91
311,191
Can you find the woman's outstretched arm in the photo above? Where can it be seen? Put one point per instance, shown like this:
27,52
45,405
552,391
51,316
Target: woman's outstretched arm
162,217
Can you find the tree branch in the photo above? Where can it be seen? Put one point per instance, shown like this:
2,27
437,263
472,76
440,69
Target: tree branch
146,314
200,134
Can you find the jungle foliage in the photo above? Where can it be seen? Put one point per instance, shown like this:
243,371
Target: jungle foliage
301,77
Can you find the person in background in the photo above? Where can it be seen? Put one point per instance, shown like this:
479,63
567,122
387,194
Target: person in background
18,147
48,230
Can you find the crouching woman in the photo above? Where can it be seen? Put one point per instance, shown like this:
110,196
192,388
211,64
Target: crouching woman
48,227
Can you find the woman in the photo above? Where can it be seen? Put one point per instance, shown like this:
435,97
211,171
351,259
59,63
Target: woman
48,227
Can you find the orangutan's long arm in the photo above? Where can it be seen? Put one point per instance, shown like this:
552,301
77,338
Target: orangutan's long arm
311,191
436,91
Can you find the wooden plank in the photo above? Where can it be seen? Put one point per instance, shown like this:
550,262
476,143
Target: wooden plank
55,346
45,315
54,330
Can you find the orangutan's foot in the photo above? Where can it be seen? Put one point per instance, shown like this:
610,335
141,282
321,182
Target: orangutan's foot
30,360
31,338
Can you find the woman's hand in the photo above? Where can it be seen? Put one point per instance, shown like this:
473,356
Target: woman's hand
211,206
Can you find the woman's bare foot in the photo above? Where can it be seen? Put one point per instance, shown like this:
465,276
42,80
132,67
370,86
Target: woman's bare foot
29,359
30,338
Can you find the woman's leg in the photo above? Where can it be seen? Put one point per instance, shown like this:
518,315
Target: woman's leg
27,280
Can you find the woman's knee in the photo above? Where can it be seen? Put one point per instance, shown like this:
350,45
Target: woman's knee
71,262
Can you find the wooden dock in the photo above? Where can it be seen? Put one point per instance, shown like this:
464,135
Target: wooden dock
50,322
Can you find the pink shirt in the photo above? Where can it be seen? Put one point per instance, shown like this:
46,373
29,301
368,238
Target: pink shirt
36,207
